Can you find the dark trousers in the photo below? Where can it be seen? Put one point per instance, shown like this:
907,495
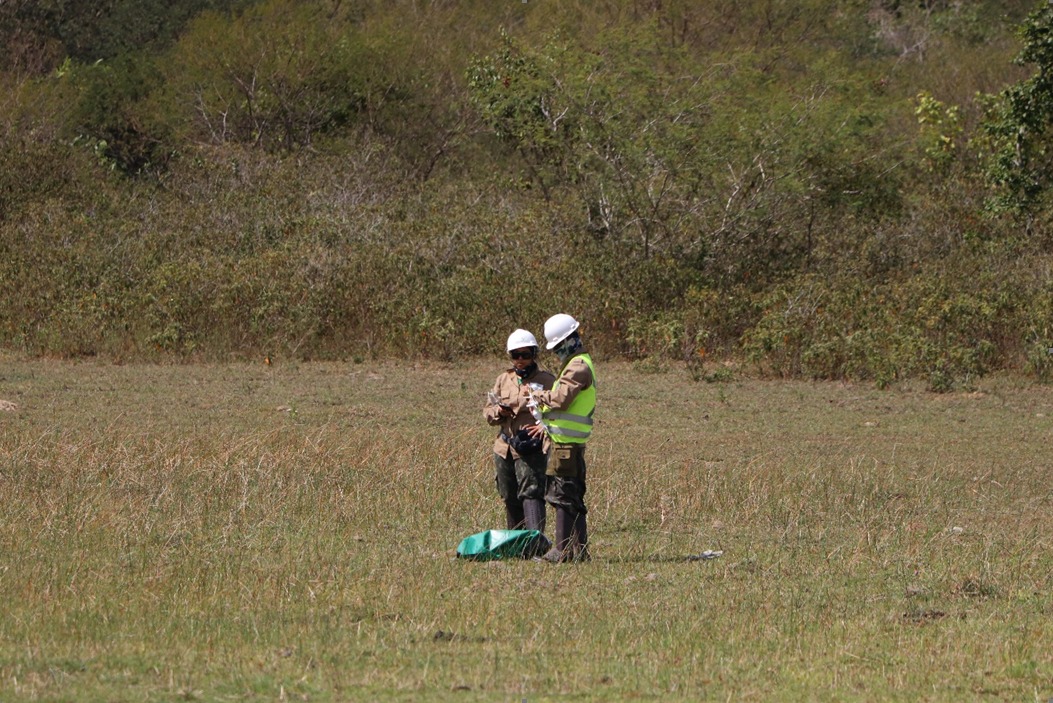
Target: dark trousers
520,479
566,478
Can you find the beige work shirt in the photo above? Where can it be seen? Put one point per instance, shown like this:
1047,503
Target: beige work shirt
507,389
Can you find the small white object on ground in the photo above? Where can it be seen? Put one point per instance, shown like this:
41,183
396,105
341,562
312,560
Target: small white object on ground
706,555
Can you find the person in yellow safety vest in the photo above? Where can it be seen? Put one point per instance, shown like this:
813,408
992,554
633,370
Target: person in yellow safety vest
567,412
520,460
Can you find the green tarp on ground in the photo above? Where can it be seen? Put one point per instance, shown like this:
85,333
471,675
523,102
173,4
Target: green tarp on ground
503,544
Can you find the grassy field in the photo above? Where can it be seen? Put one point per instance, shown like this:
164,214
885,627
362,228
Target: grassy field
287,533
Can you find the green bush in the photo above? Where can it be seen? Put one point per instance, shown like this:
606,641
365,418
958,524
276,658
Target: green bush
112,116
950,330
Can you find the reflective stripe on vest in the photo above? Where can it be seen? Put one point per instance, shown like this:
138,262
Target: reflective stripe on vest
574,424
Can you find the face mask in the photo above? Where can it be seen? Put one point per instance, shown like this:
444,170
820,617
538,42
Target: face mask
569,347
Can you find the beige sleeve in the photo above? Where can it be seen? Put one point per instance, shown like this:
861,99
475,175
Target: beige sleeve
492,411
574,379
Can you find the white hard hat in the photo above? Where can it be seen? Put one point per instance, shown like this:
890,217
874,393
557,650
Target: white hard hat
557,328
520,339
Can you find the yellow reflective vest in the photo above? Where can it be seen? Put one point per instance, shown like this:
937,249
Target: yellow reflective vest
573,424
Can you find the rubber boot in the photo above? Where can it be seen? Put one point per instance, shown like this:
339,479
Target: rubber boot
514,516
580,539
534,514
560,549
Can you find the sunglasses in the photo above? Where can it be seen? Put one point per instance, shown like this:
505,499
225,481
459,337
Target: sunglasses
521,354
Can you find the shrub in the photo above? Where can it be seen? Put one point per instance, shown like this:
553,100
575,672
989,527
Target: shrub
950,330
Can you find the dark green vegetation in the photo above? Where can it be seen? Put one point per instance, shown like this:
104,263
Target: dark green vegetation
240,532
830,189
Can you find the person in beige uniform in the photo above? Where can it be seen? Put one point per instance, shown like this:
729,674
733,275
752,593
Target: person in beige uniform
520,458
567,414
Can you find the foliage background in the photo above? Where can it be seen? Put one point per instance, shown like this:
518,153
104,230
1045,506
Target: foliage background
827,189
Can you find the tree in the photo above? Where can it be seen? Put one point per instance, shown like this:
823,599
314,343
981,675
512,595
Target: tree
720,161
1019,123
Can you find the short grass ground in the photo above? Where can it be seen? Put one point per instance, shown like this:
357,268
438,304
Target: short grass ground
286,532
